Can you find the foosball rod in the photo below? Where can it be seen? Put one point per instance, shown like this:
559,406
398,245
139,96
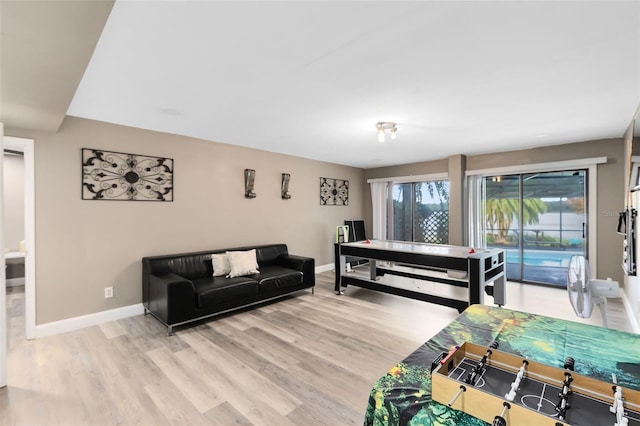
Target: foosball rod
500,420
471,377
516,383
563,404
462,389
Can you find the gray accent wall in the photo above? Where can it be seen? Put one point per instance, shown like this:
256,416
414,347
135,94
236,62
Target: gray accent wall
83,246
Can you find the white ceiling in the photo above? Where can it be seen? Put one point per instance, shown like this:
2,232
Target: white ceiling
311,79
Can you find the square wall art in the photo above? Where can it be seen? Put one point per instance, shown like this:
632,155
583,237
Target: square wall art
334,192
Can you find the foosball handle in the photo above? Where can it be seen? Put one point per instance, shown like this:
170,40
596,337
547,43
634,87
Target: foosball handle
569,363
500,420
462,389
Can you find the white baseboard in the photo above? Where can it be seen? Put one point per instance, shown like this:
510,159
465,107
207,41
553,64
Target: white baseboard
635,324
324,268
76,323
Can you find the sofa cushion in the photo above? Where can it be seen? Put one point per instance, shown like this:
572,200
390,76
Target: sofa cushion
242,263
191,267
212,291
276,277
268,255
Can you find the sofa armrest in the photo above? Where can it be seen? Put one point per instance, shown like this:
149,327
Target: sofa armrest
306,265
171,297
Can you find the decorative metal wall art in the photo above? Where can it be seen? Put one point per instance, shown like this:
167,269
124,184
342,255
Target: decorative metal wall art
249,181
286,177
334,192
110,175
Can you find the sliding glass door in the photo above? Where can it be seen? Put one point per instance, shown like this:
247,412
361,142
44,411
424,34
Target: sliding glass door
540,219
502,197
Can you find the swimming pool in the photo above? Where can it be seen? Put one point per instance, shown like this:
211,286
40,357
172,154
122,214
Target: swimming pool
550,258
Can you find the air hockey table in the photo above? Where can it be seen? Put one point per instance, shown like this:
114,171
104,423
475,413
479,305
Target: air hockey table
403,396
480,271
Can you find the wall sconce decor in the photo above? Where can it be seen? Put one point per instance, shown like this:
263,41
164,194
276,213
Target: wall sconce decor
334,192
126,177
249,180
286,177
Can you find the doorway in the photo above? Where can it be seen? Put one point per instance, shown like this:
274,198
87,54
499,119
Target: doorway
540,219
26,147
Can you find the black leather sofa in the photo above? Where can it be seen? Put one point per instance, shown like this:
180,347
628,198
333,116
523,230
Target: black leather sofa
180,288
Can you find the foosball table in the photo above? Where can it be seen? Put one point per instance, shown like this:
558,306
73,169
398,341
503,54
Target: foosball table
495,366
504,389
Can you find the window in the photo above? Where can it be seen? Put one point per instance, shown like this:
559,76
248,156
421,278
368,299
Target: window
421,212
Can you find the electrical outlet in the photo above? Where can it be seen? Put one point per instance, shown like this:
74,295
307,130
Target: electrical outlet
108,292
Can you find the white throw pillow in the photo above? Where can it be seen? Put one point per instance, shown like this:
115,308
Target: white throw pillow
242,263
221,265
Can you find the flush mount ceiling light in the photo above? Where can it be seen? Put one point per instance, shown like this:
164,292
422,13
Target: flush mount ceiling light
384,126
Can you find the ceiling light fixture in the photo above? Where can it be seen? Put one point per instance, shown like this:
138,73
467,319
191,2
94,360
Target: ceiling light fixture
384,126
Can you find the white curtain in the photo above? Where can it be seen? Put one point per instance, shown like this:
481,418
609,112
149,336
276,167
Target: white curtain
379,204
475,214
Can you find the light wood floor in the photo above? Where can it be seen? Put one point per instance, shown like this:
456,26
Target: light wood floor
306,360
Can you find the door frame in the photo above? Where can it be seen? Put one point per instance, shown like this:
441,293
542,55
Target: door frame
27,147
3,276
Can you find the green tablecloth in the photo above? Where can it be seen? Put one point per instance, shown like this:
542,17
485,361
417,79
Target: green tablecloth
403,395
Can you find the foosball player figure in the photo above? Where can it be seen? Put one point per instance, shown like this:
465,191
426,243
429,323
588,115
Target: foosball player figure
563,404
618,404
511,395
472,377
